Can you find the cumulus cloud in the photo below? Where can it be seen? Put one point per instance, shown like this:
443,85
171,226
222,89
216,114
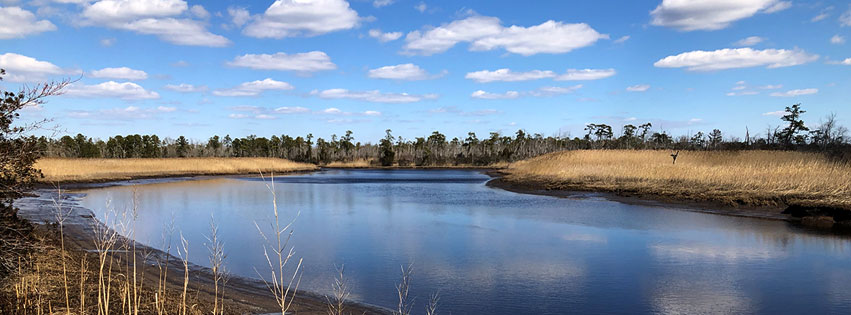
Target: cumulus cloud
495,96
186,88
457,111
846,62
199,12
111,89
384,37
337,111
254,88
122,73
728,58
422,7
710,14
836,39
486,33
288,18
585,74
153,18
506,75
374,96
18,23
408,72
793,93
20,68
239,16
638,88
545,91
749,41
300,62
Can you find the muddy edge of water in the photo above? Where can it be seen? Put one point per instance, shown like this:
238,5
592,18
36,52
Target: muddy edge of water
80,224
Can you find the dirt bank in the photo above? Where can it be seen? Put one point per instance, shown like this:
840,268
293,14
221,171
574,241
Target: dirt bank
822,218
243,295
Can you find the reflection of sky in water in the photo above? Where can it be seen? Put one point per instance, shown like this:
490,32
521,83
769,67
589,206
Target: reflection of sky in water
497,252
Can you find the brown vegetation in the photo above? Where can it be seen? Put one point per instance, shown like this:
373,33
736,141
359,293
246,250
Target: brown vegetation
749,178
88,170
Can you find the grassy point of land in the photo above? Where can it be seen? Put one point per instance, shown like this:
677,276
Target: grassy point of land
89,170
746,178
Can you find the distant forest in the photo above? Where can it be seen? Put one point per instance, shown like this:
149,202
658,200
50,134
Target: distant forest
435,149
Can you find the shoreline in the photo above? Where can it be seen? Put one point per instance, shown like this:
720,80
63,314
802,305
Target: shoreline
246,293
819,219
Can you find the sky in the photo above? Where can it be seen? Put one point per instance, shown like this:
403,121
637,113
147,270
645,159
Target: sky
203,68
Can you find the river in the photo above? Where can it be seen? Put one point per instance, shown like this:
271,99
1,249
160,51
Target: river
491,251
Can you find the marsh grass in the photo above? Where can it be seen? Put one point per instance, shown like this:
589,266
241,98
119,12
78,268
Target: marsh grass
81,170
752,178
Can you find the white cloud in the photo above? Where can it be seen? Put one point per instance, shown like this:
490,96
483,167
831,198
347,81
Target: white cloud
287,18
122,73
20,68
177,31
742,93
836,39
199,12
728,58
710,14
339,112
254,88
749,41
381,3
638,88
113,11
239,16
291,110
153,18
621,40
820,17
301,62
408,71
486,33
125,113
371,96
111,89
18,23
384,37
771,87
106,42
554,90
778,113
186,88
506,75
845,18
585,74
792,93
846,62
545,91
494,96
422,7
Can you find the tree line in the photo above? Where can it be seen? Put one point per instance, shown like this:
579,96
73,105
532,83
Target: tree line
436,149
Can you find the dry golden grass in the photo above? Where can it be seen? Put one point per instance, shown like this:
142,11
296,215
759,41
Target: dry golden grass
361,163
75,170
754,178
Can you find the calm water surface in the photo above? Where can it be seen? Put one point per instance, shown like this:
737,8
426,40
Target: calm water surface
491,251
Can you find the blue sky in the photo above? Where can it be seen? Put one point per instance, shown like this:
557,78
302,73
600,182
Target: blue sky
294,67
